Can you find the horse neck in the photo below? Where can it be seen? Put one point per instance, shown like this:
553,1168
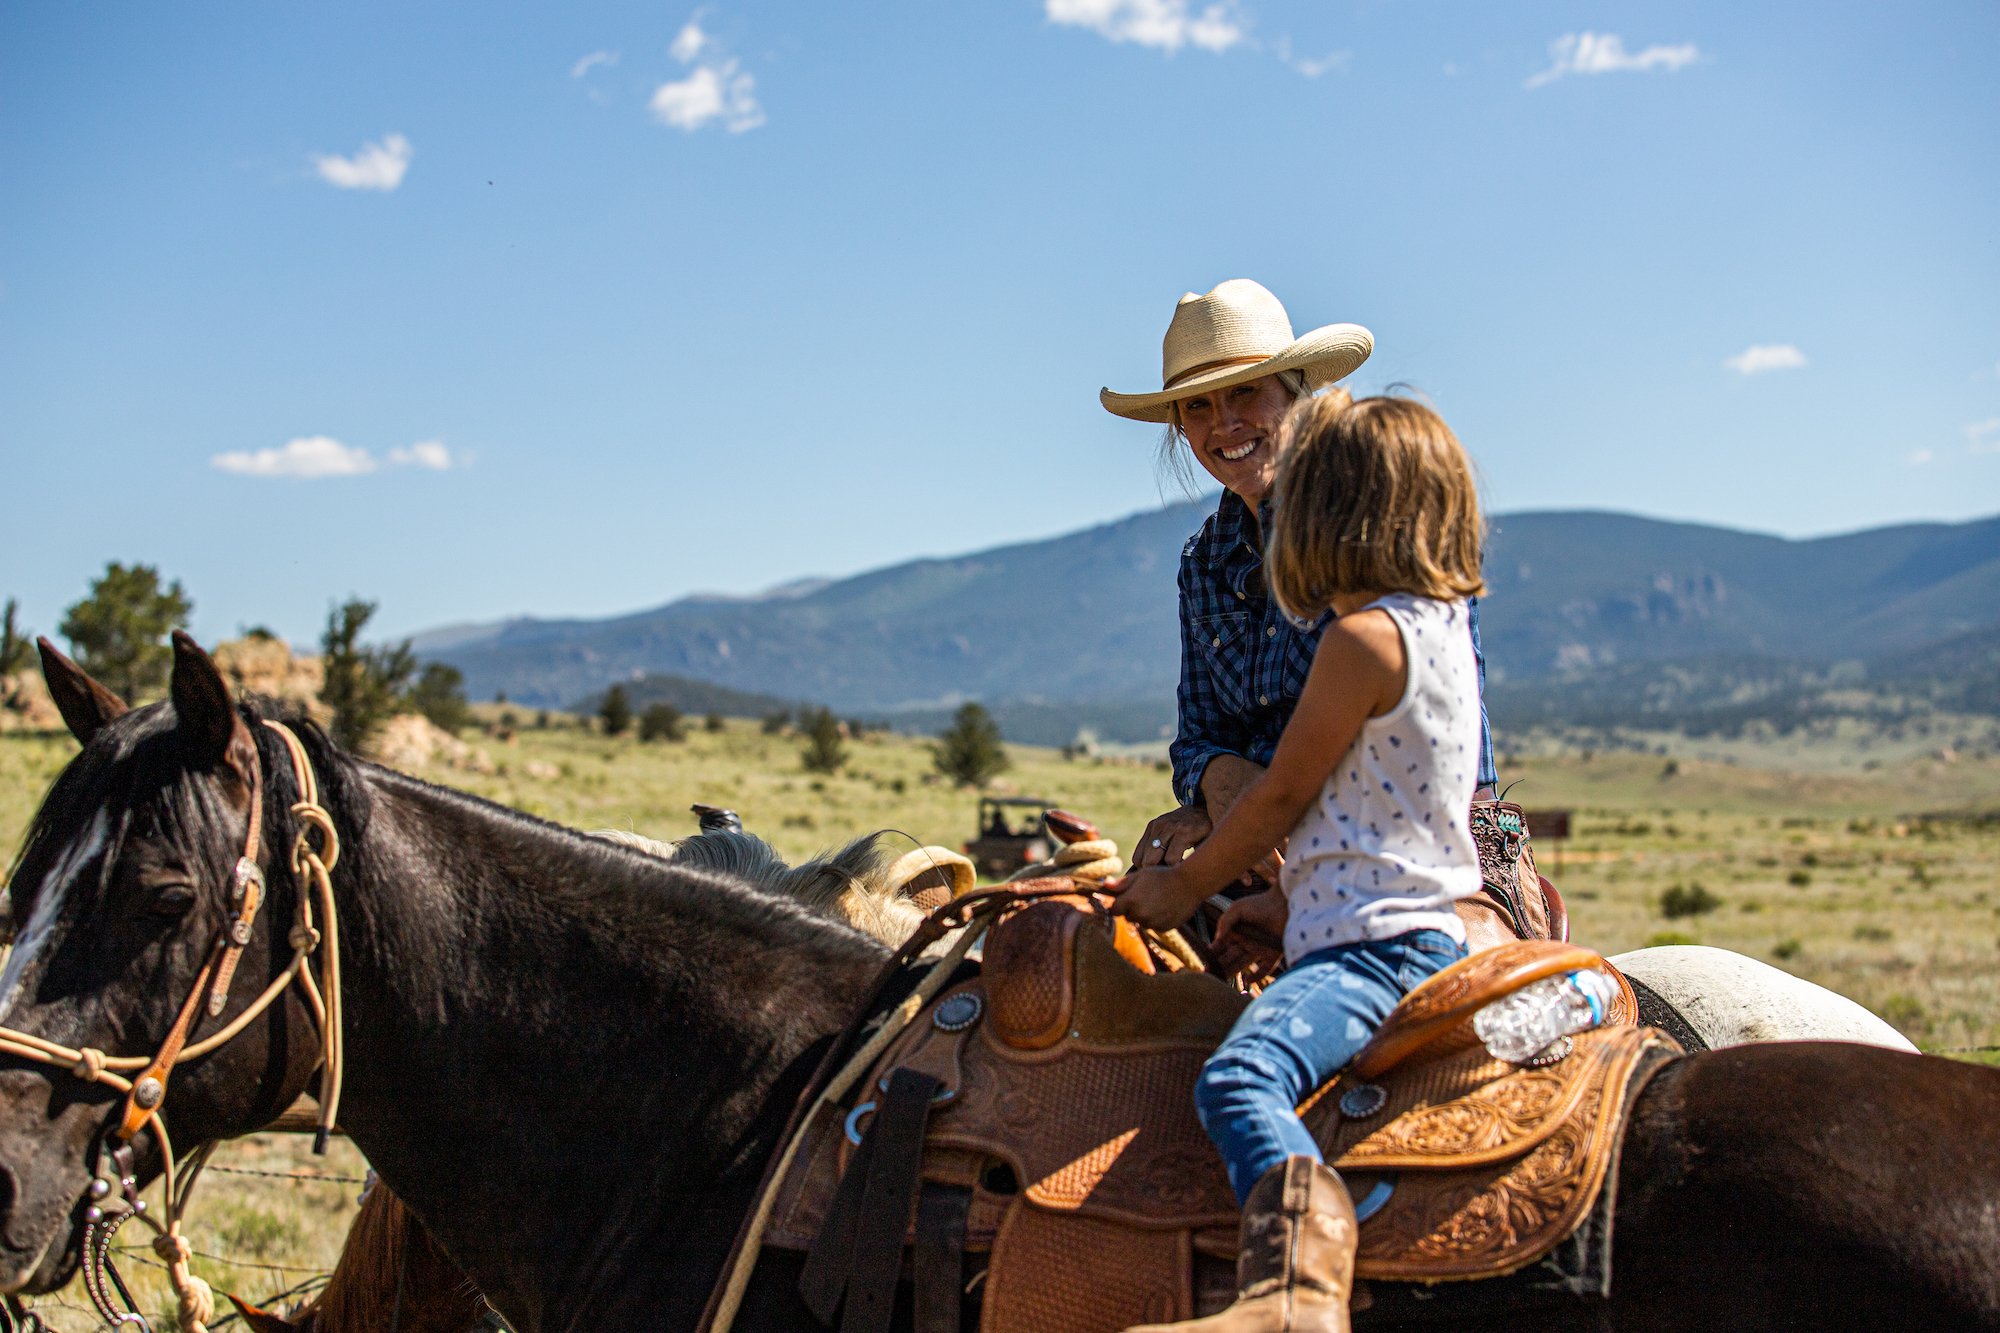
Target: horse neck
554,1046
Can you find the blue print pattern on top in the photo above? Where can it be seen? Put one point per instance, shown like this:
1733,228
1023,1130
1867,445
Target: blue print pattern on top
1406,856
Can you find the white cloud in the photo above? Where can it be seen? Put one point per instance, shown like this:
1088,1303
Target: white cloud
1919,457
1605,53
312,456
592,61
1312,69
1983,437
426,454
689,42
716,89
308,456
1164,25
378,166
1766,357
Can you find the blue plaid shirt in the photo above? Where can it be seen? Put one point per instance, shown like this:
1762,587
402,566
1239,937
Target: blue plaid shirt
1243,661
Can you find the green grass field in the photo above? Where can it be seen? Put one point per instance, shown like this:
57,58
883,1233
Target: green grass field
1820,867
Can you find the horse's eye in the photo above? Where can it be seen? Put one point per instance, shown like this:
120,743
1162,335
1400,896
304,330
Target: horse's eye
172,899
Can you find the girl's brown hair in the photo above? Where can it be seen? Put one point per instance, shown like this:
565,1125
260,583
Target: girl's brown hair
1376,496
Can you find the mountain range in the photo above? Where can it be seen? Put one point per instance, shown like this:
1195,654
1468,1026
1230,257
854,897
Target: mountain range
1081,628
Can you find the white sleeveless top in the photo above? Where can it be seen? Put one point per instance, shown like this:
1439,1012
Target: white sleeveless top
1387,847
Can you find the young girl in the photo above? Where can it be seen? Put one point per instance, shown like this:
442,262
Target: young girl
1378,519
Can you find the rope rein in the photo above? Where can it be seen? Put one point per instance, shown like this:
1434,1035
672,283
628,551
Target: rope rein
114,1192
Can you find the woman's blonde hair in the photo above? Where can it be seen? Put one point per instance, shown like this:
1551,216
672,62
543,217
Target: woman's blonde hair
1373,496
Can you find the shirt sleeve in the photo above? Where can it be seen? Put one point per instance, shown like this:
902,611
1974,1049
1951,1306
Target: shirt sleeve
1204,730
1488,775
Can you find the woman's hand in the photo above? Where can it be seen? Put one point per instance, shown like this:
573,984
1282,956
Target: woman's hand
1160,897
1170,836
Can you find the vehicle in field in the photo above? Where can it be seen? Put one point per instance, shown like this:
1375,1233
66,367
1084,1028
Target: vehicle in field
1000,848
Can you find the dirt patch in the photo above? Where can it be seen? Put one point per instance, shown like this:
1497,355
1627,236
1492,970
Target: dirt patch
413,743
269,668
25,704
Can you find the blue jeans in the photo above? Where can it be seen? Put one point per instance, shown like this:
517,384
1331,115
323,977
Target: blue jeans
1302,1030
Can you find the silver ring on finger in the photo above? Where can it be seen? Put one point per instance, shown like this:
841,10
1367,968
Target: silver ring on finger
1157,843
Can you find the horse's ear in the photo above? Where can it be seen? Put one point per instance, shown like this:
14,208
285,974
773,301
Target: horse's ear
84,704
204,717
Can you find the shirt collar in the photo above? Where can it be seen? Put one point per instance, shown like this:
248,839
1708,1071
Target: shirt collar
1229,540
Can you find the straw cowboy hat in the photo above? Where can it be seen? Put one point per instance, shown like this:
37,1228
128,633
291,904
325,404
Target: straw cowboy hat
1235,333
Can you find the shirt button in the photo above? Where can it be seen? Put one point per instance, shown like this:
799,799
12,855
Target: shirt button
1239,596
1264,699
1215,643
1270,631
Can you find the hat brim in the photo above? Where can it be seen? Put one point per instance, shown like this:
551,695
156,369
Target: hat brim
1325,355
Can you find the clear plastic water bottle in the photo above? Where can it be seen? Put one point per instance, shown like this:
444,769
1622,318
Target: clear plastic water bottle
1520,1026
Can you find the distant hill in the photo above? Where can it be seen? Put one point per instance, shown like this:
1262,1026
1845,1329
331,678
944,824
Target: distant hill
696,698
1080,629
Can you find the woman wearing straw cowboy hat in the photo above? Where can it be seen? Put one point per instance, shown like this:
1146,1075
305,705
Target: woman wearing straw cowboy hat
1231,369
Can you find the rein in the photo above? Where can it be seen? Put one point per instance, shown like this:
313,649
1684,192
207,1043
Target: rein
146,1088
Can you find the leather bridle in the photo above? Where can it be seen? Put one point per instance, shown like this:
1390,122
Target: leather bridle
145,1088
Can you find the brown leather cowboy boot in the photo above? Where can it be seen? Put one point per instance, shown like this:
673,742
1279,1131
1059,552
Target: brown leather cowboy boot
1295,1261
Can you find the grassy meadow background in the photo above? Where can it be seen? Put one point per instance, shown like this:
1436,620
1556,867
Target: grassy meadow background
1874,871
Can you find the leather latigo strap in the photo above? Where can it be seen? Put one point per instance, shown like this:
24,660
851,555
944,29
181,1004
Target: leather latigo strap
858,1257
938,1263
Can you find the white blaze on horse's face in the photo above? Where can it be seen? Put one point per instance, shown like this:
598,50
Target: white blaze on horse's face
54,890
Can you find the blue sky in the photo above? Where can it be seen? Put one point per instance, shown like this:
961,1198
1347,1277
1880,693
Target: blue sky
575,309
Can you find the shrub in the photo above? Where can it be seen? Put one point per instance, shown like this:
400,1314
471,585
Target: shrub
1687,900
713,722
1798,879
1786,949
969,752
775,723
825,749
1905,1014
1661,939
439,695
662,722
616,711
1873,934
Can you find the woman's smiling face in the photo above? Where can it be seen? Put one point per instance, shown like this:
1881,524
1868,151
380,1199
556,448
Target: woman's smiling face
1234,433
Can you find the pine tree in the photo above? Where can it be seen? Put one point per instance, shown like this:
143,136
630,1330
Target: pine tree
15,650
616,711
825,749
969,752
363,685
119,632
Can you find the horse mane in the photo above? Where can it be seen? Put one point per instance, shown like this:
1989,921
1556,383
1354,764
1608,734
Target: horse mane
851,883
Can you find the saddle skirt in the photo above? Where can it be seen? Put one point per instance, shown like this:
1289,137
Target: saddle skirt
1061,1118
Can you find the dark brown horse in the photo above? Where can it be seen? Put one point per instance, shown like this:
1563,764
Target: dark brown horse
572,1061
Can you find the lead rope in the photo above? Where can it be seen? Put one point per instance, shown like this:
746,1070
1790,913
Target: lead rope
114,1190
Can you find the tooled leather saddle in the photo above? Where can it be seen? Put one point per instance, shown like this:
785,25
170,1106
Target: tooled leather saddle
1028,1148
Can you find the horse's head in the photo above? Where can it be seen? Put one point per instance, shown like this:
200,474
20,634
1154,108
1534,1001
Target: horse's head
121,896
